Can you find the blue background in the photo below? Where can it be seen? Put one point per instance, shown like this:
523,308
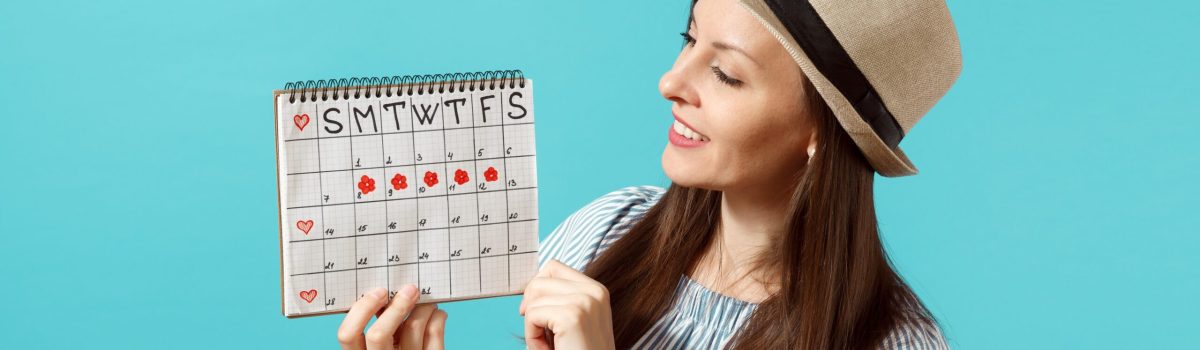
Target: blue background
1055,206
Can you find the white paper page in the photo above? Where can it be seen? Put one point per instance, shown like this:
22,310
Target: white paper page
433,189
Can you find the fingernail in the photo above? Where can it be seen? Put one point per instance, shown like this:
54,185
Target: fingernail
408,291
379,293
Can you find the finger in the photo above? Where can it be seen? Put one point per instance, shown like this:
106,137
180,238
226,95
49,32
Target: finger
539,286
350,333
543,319
535,336
542,286
412,333
435,332
381,334
554,268
577,301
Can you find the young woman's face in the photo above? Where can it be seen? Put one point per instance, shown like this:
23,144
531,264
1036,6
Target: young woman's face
739,118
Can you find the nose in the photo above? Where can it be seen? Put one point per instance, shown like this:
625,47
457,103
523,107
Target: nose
676,86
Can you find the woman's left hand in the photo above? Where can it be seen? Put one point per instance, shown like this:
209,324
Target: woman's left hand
570,305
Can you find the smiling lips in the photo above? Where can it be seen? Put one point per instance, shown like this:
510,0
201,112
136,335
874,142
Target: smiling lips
683,136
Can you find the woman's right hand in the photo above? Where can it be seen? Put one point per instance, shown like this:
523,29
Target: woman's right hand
401,325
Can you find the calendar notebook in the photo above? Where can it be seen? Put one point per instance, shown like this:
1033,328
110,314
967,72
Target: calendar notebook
422,179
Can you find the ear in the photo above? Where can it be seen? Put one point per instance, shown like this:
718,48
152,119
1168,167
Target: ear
812,145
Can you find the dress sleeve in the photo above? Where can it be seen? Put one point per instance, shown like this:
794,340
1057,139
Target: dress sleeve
578,239
915,335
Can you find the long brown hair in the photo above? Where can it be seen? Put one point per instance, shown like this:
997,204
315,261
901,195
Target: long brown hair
837,288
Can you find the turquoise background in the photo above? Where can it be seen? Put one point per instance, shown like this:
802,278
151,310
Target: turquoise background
1056,205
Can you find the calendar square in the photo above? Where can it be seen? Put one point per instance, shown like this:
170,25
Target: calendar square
464,242
400,182
497,280
398,149
335,154
402,215
304,156
309,254
490,175
342,287
370,251
371,278
430,146
337,187
433,245
367,151
461,177
339,254
518,140
435,280
338,221
463,209
298,121
305,293
305,223
363,117
489,142
460,144
369,185
402,248
394,114
303,190
431,180
465,277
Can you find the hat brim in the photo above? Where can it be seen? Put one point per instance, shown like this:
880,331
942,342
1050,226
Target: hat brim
887,161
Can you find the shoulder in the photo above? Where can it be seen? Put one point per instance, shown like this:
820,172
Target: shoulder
578,239
915,333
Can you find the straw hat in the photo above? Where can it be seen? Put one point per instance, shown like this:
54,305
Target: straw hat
880,65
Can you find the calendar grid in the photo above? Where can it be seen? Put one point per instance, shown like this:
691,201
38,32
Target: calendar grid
392,133
416,202
410,164
479,233
321,187
411,231
353,207
449,244
387,241
401,264
507,233
337,174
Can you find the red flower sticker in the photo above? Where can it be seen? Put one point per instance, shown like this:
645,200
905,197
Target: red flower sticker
490,174
399,182
366,184
460,177
430,178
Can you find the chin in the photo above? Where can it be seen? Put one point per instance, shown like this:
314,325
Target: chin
685,172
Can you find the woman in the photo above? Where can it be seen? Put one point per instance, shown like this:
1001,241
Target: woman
767,237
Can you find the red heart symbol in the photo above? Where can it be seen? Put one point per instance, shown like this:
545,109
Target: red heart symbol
460,177
308,295
430,178
301,121
366,184
399,182
304,225
490,174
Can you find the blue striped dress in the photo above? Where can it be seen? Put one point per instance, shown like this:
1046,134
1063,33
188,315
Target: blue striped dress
700,318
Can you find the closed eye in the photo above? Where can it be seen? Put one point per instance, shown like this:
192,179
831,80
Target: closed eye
725,78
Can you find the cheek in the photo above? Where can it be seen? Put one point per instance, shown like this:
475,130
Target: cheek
762,139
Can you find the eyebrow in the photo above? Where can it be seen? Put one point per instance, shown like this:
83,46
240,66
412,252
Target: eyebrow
727,47
723,46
